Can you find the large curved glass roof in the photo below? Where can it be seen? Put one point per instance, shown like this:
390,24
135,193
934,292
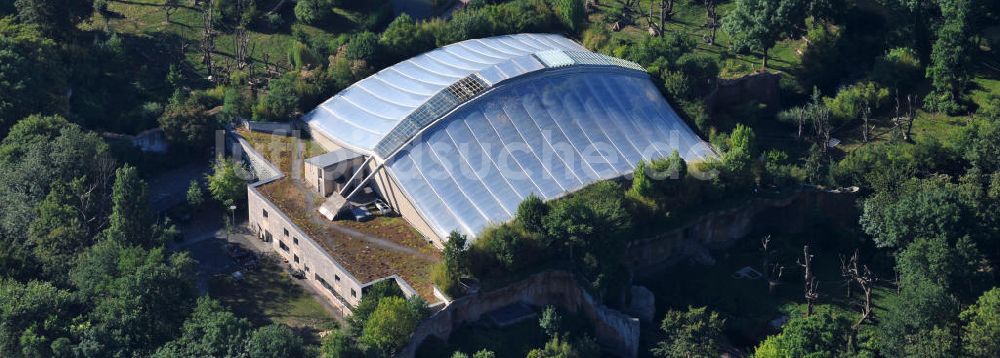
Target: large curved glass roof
548,133
360,116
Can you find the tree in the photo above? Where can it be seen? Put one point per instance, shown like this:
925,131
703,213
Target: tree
865,279
550,321
338,344
403,38
58,232
668,174
389,327
738,159
312,11
210,331
824,334
918,208
981,326
560,347
920,308
140,297
280,102
859,100
796,116
696,332
641,186
130,219
274,340
31,79
54,17
758,24
899,69
369,301
224,183
35,315
531,213
957,268
809,283
185,121
363,46
195,196
950,58
571,13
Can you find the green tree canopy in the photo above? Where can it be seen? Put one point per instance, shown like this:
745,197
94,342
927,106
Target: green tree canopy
981,326
389,327
274,340
140,297
34,316
131,220
224,183
31,78
210,331
822,334
757,25
696,332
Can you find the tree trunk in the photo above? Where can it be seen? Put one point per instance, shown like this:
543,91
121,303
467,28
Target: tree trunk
765,58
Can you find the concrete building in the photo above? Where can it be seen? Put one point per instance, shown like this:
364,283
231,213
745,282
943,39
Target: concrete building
453,140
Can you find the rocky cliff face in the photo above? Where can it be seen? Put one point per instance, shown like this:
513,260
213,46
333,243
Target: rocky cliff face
615,331
723,228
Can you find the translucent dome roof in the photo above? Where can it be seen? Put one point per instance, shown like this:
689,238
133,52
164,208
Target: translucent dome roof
471,129
548,134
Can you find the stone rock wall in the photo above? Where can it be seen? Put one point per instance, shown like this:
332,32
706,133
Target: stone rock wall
615,331
723,228
760,87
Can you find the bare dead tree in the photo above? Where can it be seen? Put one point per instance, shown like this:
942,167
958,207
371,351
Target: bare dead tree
809,281
865,280
208,37
712,20
772,271
666,12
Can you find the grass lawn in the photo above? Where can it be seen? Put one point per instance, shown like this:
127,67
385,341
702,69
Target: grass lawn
689,19
268,295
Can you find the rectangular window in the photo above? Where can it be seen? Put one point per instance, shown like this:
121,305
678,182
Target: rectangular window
306,267
323,282
282,245
295,240
267,236
265,212
286,231
296,258
354,294
336,278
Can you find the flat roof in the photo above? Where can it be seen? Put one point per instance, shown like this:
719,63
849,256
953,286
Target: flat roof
330,158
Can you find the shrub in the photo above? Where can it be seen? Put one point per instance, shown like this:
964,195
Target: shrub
363,46
571,13
311,11
531,212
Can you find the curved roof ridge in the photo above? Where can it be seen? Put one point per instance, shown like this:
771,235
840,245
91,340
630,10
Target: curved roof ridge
490,60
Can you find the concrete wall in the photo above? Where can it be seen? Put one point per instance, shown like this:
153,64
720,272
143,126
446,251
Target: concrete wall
310,254
615,331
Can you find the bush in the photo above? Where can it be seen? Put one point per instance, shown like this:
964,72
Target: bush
531,212
363,46
312,11
571,13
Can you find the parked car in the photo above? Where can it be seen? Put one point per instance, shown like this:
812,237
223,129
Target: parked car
360,214
380,208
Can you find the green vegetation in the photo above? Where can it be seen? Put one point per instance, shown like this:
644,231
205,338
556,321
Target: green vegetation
909,89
